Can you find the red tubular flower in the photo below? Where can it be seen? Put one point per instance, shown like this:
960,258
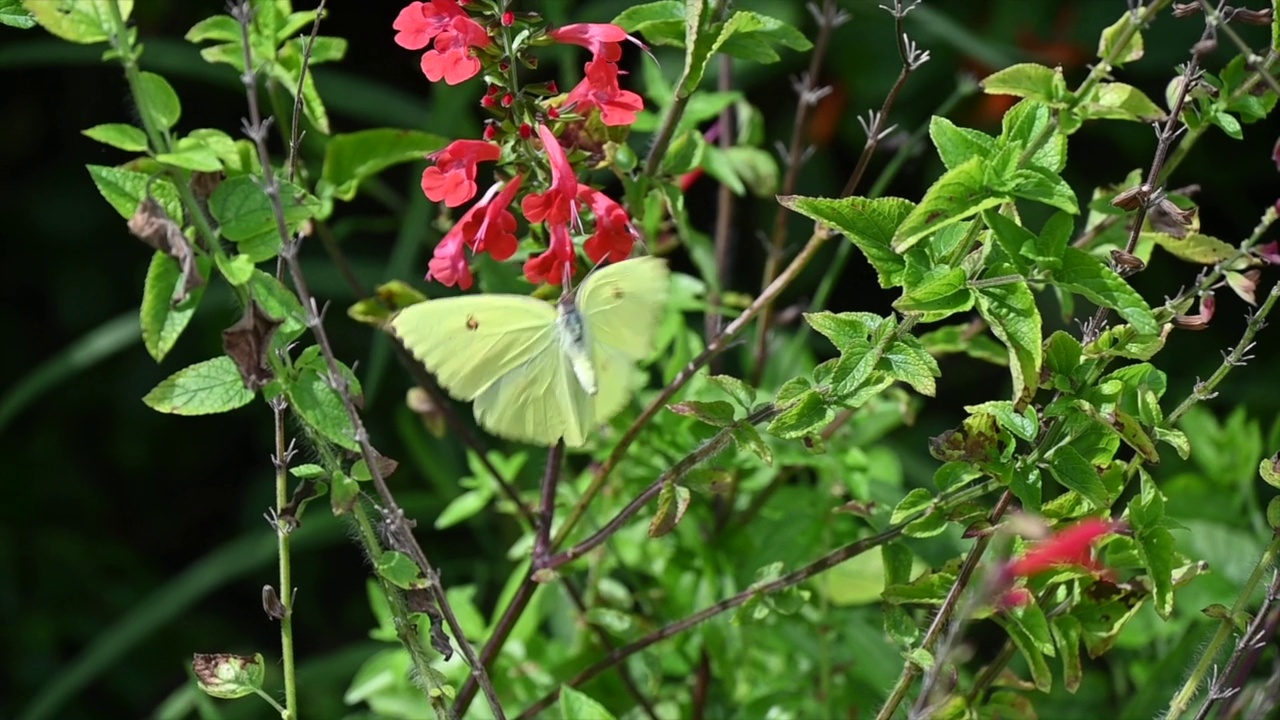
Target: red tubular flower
419,22
448,265
452,59
552,265
600,89
615,235
602,39
556,205
1069,546
497,232
453,178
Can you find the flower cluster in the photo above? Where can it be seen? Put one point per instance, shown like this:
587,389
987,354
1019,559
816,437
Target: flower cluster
520,138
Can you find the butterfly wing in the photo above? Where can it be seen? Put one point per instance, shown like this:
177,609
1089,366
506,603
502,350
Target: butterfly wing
621,305
503,352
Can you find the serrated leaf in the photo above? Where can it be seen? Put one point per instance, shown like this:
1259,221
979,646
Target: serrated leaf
1027,80
280,303
807,415
162,322
1029,644
1086,275
1195,247
14,15
208,387
1066,634
1118,101
748,438
940,291
956,144
1024,123
869,224
661,23
743,394
319,405
959,194
673,501
400,570
712,412
118,135
1022,424
1010,310
1043,186
1074,472
752,36
916,501
928,526
126,189
909,363
846,331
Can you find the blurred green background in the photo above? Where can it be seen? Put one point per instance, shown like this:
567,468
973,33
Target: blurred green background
130,539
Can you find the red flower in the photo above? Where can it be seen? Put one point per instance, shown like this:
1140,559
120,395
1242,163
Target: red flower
497,232
556,205
453,178
600,89
557,262
421,21
1069,546
452,59
600,38
615,235
448,265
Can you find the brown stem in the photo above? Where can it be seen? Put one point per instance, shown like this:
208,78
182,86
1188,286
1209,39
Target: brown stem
724,211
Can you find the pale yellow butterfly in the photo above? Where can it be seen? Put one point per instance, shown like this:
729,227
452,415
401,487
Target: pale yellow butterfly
539,372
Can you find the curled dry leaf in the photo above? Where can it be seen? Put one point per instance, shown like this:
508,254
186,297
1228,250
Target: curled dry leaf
271,604
152,225
247,343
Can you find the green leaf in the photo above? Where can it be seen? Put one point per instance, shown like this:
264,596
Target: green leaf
1273,513
959,194
1024,123
661,23
14,15
807,415
1066,633
956,145
219,28
684,153
237,269
1023,424
1113,47
698,46
941,291
575,705
752,36
126,189
280,303
464,507
163,322
208,387
743,394
848,331
717,413
1029,641
1086,275
915,502
400,570
1155,544
755,167
1195,247
1118,101
748,438
192,154
351,158
673,501
227,676
1028,80
318,403
1074,472
1011,312
344,493
910,363
158,101
1043,186
1062,357
119,135
1269,469
247,218
78,21
960,339
287,70
869,224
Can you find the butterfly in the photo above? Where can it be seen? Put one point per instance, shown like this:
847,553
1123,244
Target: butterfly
538,372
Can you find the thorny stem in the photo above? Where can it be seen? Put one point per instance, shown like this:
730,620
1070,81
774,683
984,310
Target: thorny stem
810,94
817,567
910,671
256,128
1218,22
1228,683
1182,700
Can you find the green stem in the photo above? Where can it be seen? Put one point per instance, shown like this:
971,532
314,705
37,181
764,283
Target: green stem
272,702
283,534
157,139
663,139
1182,700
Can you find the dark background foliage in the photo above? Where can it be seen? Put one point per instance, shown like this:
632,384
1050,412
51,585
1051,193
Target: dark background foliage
110,507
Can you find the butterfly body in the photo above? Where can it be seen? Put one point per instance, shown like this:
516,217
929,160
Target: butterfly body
537,372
